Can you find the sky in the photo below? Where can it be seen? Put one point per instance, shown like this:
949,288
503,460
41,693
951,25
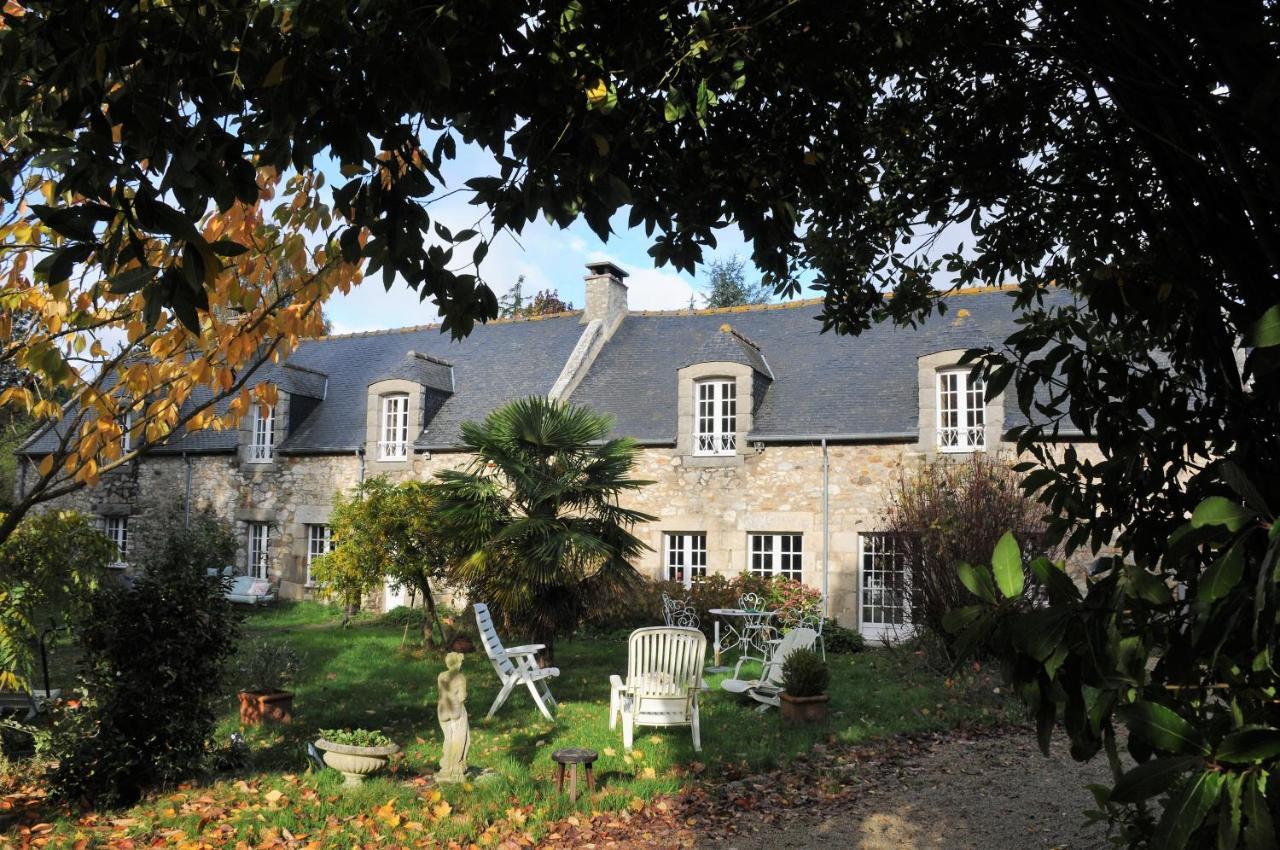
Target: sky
548,257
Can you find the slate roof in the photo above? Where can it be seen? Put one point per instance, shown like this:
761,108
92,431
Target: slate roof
862,387
729,346
818,385
497,363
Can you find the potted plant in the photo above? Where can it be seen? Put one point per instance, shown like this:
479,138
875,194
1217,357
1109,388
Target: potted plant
355,753
804,687
265,668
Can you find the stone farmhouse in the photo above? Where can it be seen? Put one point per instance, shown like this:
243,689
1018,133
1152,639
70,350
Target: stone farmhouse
773,447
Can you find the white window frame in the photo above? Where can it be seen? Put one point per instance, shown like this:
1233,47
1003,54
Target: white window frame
962,412
258,556
262,441
319,542
880,615
776,554
116,529
715,417
393,427
126,437
684,556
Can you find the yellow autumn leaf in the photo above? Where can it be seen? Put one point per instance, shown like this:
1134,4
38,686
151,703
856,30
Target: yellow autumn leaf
597,91
635,804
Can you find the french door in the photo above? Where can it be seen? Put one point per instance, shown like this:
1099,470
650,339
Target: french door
884,588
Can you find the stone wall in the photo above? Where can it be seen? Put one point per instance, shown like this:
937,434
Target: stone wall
777,488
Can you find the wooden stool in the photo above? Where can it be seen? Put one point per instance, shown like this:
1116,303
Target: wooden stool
574,756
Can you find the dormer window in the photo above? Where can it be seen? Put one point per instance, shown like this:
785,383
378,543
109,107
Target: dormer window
262,444
962,421
394,443
716,418
126,436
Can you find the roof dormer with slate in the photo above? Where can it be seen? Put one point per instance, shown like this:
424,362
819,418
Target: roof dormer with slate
402,400
719,388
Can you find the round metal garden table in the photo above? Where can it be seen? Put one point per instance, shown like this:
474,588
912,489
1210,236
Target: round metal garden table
745,628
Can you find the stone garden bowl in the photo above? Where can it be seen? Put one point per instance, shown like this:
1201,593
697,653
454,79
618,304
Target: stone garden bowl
355,763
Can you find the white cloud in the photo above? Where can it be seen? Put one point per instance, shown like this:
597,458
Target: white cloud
653,289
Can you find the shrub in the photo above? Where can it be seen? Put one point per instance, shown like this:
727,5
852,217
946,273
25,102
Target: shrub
805,674
152,670
841,641
167,538
267,666
49,567
356,737
954,512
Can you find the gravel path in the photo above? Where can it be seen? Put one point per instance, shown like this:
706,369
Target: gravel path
985,793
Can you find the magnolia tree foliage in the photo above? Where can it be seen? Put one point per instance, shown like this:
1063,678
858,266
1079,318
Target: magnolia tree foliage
536,515
386,532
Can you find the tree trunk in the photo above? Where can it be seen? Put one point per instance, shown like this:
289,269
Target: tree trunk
425,587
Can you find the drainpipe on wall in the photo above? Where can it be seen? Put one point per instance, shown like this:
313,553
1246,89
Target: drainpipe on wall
360,457
186,505
826,535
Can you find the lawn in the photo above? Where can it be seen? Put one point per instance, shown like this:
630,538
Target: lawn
362,676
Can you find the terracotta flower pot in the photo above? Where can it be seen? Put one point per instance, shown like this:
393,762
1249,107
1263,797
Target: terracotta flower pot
257,707
804,709
355,763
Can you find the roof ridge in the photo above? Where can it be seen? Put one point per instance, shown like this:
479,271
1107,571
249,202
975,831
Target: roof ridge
508,320
809,302
437,360
741,337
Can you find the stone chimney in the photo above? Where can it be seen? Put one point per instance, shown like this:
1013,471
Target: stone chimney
606,296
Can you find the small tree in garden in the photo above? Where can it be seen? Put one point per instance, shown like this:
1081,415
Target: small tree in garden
949,512
537,514
49,567
386,531
153,657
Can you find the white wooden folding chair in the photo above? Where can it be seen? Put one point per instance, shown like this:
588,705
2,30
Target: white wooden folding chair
664,675
515,666
768,686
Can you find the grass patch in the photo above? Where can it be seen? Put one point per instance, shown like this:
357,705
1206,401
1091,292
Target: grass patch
364,677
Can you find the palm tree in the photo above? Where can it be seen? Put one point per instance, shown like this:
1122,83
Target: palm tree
537,512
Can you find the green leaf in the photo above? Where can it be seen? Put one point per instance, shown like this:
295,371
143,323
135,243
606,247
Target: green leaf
1259,829
1265,332
1229,817
1038,632
1152,778
978,581
1250,744
1222,575
958,619
1187,810
1006,561
1161,727
1219,510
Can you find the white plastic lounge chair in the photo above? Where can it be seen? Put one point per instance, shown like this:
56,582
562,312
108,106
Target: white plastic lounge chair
515,666
664,675
765,689
251,591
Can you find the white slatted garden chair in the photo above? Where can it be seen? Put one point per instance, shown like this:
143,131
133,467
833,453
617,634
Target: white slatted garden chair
664,675
768,686
515,666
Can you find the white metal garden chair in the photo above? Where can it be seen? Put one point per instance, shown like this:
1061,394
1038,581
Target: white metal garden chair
679,612
515,666
756,629
768,686
664,675
809,618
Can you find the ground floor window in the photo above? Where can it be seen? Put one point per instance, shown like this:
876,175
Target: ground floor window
116,528
777,555
686,556
259,533
886,584
319,542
